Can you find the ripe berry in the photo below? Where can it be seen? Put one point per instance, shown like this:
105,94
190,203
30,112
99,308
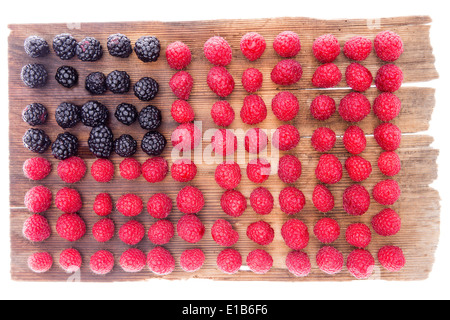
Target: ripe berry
295,234
259,261
222,113
327,75
38,199
388,46
358,48
183,170
323,139
103,204
255,140
190,228
354,140
131,232
129,204
258,170
224,142
182,111
253,110
252,45
354,107
192,260
37,168
286,72
181,84
218,51
260,232
252,80
228,175
391,258
70,226
358,168
323,199
389,78
298,263
292,200
289,168
285,106
70,260
358,77
286,137
178,55
159,206
327,230
220,81
229,261
40,262
287,44
322,107
155,169
360,263
387,106
103,230
132,260
161,232
36,228
186,136
190,200
356,200
329,169
326,48
223,233
386,192
101,262
160,261
233,203
387,222
261,201
358,235
329,260
389,163
68,200
102,170
130,169
71,170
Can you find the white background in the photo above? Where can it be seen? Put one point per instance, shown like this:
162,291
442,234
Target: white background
435,287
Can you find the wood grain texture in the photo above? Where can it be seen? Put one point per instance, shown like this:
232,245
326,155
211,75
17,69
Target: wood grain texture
418,206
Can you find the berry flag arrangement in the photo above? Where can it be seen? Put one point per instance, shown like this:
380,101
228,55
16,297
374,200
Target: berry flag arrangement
285,149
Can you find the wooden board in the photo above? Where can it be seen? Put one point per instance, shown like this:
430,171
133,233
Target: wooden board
418,207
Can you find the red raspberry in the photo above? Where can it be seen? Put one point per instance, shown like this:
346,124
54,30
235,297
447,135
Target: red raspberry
181,84
130,205
295,234
40,262
323,199
130,169
36,228
360,263
224,142
354,107
155,169
190,228
259,261
256,140
222,113
358,168
261,201
233,203
298,263
329,169
323,139
252,45
192,260
38,199
389,78
37,168
252,80
260,232
326,48
358,235
229,261
327,75
258,170
387,106
220,81
160,261
70,260
254,110
178,55
358,77
327,230
218,51
68,200
223,233
285,106
70,226
292,200
183,170
132,260
329,260
190,200
386,192
387,222
71,170
356,200
103,230
131,232
322,107
102,262
228,175
103,204
186,136
159,205
388,136
182,111
287,44
391,258
102,170
289,168
161,232
354,140
389,163
358,48
388,46
286,72
286,137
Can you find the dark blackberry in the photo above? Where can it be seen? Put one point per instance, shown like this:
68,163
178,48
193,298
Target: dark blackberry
65,146
65,46
36,140
118,82
150,118
34,75
35,114
94,113
126,113
66,76
100,141
147,48
95,83
146,89
67,115
119,45
153,143
89,49
125,145
36,46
